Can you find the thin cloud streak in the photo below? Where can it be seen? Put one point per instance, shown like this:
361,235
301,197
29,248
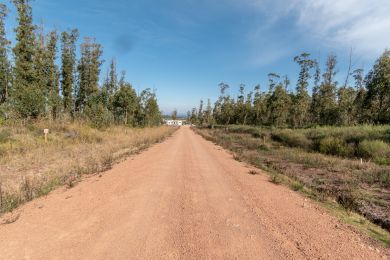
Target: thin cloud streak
338,24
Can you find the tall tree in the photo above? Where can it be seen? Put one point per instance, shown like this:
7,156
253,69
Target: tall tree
224,109
279,105
194,116
152,114
240,106
5,75
88,71
301,102
248,108
27,94
346,106
327,93
378,89
68,57
273,81
125,104
52,75
359,109
315,97
40,63
208,113
113,78
200,113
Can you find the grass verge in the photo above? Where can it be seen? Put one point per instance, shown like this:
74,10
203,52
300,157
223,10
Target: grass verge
31,167
341,186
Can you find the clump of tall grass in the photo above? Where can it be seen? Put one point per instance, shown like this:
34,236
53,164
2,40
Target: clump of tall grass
335,146
292,138
374,149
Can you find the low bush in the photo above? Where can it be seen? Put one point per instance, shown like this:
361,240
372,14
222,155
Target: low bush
276,179
374,149
99,116
380,161
292,138
335,146
348,200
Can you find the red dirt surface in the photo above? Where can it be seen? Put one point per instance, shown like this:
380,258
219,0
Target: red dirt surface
184,198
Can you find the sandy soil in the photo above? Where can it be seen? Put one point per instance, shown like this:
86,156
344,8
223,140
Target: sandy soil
182,199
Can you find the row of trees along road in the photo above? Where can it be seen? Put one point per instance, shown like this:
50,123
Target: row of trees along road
366,102
33,86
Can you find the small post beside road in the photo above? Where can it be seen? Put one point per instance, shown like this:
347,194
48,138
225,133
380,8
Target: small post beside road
46,132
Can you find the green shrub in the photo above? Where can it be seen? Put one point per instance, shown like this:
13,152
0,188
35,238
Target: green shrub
348,200
335,146
296,186
374,149
382,161
99,116
276,179
292,138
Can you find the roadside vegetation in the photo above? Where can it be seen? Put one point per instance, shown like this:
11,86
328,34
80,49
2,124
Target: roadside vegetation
328,139
30,167
358,186
52,80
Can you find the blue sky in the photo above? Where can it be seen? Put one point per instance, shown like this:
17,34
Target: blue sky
184,48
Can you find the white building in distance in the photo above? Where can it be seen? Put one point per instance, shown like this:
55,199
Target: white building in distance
173,122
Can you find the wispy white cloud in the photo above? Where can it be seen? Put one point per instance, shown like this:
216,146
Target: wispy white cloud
363,24
338,24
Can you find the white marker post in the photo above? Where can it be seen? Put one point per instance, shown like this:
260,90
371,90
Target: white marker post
46,132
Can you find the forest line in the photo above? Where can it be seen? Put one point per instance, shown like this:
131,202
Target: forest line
33,86
367,101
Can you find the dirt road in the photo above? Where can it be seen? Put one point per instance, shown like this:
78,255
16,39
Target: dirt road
184,198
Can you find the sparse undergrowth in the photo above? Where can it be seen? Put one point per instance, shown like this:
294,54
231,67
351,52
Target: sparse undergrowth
353,190
31,168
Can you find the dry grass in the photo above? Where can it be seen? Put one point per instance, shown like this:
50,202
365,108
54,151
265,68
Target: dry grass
30,168
361,187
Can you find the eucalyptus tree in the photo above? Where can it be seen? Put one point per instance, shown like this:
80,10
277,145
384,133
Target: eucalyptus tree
5,66
149,113
68,68
279,106
259,106
88,73
301,103
52,75
378,90
27,95
200,113
315,97
125,104
327,93
208,113
359,109
346,106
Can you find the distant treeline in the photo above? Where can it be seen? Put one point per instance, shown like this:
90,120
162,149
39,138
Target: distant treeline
33,86
367,101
